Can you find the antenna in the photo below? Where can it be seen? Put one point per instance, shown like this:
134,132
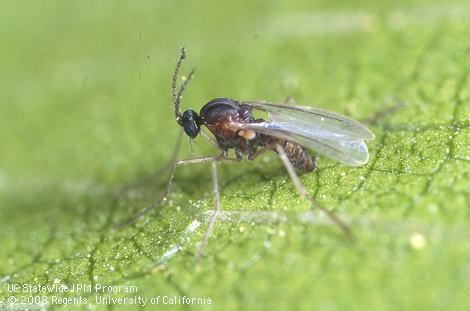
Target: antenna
178,95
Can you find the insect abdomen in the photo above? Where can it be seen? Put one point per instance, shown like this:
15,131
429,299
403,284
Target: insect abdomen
299,156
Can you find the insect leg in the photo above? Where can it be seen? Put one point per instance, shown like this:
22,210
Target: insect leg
151,178
209,138
259,152
210,226
303,193
169,185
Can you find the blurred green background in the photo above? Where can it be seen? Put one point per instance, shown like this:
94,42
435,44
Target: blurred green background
85,109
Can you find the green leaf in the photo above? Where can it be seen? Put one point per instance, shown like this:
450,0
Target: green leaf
86,112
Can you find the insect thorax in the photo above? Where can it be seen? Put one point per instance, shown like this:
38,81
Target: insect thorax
219,116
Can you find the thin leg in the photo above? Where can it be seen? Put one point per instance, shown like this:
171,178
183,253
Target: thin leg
215,214
164,199
221,159
303,193
151,178
258,153
209,138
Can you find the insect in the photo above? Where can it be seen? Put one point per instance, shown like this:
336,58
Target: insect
290,131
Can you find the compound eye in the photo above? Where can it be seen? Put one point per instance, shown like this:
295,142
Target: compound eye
189,122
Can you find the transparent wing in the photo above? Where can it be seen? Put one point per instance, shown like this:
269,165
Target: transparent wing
330,134
319,121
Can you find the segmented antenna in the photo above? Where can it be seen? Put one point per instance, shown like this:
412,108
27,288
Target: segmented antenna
177,95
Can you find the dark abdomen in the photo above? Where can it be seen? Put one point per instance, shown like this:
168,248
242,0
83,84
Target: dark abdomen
298,156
